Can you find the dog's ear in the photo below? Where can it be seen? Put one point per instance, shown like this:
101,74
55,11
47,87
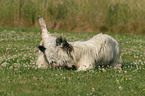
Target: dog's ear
64,44
58,41
67,46
42,48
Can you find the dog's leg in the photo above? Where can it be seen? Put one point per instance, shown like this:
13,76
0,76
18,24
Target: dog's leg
41,62
85,63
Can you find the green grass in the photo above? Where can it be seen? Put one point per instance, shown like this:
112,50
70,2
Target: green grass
19,75
118,16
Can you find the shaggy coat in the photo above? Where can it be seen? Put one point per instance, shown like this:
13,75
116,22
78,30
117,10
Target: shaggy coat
101,49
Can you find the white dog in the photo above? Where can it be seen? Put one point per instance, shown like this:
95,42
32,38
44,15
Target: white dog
102,49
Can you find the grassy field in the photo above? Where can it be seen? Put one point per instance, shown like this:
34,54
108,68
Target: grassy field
20,77
118,16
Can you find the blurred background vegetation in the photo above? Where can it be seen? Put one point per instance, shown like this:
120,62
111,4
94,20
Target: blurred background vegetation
116,16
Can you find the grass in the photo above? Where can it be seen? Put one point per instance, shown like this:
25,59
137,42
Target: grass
19,75
118,16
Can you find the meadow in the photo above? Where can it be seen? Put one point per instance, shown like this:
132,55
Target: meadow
117,16
19,76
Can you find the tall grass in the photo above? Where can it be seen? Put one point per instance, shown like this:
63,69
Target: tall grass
118,16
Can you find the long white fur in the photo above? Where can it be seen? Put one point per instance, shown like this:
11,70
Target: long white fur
102,49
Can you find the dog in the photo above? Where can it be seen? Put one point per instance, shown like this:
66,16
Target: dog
100,50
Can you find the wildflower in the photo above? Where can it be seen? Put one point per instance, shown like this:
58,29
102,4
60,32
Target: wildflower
125,71
35,68
4,64
93,89
103,70
120,87
11,67
129,78
64,78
